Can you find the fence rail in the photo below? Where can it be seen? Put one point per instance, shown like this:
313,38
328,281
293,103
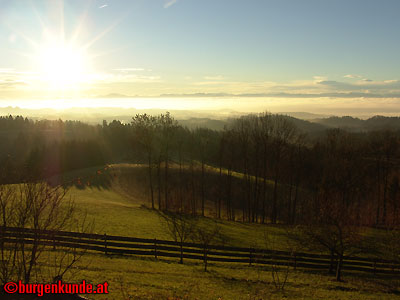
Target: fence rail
110,244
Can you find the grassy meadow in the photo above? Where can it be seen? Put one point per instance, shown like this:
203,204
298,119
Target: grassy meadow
144,278
118,210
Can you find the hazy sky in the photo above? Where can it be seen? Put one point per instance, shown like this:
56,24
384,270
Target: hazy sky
298,49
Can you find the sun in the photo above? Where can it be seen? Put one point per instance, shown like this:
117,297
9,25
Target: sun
62,65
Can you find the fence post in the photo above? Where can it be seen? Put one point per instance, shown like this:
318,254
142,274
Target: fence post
2,236
205,257
105,243
374,266
295,261
250,256
54,242
155,249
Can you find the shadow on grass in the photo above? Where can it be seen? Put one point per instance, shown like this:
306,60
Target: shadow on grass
100,177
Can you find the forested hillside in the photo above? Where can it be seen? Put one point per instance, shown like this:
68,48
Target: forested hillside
259,168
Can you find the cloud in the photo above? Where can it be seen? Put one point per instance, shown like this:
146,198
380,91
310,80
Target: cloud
317,87
218,77
352,76
135,80
388,86
11,84
129,69
170,3
124,77
7,70
332,83
13,72
13,79
103,6
291,95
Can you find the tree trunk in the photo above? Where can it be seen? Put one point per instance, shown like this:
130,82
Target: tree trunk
193,193
202,188
332,262
264,200
151,183
159,183
205,260
385,188
339,268
220,192
274,212
289,212
180,185
181,261
166,184
294,208
228,195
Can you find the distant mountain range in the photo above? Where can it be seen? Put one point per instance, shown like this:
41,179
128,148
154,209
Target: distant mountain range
305,115
312,125
356,124
307,122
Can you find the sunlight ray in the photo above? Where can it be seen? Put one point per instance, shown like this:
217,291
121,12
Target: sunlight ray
106,31
62,21
36,12
79,27
34,44
100,35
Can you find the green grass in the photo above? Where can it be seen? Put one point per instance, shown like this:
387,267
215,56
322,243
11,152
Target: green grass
117,212
144,278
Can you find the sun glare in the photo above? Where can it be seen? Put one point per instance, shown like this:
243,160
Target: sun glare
62,66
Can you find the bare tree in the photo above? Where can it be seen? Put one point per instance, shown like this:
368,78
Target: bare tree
265,136
283,133
8,261
61,259
180,227
384,149
144,130
37,206
279,272
206,235
167,126
333,230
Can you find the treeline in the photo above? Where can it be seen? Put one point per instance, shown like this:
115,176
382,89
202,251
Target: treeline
31,149
260,168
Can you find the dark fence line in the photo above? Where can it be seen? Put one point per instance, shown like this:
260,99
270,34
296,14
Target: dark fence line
110,244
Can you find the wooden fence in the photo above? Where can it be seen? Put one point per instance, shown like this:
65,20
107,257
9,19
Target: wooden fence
109,244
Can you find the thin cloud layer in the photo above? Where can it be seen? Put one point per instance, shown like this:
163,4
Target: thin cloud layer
145,82
352,76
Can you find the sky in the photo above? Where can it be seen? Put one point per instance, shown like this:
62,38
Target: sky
300,51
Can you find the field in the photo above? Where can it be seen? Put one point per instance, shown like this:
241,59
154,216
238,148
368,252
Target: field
136,278
117,211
